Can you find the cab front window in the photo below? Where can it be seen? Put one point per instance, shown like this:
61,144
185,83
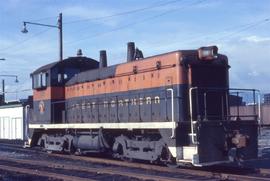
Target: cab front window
40,80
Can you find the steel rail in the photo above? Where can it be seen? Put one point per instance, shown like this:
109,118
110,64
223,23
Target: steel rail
42,173
193,172
88,169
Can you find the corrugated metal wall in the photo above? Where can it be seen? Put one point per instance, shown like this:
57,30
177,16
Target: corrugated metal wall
11,123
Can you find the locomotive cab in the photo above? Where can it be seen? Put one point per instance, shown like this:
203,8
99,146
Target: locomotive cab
48,86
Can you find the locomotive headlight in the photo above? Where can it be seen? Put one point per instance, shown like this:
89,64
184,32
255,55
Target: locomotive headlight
208,53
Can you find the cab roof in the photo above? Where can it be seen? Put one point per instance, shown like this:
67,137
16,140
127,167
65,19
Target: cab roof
84,63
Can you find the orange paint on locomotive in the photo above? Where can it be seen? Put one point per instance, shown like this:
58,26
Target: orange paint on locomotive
147,76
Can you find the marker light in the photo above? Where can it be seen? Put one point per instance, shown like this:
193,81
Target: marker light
208,53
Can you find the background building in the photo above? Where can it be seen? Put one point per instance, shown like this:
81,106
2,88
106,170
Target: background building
266,99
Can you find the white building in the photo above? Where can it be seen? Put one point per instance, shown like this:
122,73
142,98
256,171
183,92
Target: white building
12,124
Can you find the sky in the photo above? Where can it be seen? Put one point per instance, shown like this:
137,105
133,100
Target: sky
240,29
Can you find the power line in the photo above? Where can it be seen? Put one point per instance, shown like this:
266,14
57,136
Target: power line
255,24
17,91
124,13
238,29
125,26
34,35
241,29
133,23
89,19
45,18
23,41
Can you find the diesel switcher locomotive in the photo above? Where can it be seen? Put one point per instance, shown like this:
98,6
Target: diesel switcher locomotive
172,108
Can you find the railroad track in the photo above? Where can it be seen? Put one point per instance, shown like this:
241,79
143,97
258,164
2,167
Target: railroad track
135,170
262,174
48,175
35,167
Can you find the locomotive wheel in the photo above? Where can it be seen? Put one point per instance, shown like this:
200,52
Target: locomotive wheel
119,154
49,151
167,158
42,145
72,149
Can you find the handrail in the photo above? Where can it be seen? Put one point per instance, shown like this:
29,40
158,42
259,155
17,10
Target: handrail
26,128
192,119
259,111
191,114
172,105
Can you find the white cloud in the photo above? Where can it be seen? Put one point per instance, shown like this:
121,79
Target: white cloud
254,73
256,39
248,62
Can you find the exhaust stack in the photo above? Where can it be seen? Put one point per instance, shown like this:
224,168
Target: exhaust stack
102,59
130,51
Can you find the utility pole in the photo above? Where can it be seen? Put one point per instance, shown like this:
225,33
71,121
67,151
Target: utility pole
2,98
3,92
3,85
60,27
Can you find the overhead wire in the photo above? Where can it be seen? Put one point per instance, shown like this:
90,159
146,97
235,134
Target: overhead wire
124,12
242,28
35,35
44,18
250,25
103,19
161,14
255,24
131,24
236,30
159,4
17,91
120,27
23,41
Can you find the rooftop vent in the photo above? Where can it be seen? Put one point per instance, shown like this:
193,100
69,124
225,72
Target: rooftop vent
79,52
133,53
